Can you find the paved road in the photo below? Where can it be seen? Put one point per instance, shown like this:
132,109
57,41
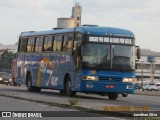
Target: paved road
10,104
87,100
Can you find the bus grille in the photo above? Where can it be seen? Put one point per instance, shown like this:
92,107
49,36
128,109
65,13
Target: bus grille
109,79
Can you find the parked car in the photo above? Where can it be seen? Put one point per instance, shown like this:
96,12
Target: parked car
154,86
145,87
5,78
158,86
137,86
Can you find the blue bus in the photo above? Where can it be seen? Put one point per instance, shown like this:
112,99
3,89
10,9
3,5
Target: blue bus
88,59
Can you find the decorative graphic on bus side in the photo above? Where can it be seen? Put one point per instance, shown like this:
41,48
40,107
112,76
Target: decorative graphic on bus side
46,74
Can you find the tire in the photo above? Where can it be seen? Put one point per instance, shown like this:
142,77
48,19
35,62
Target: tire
124,94
62,92
112,96
31,88
68,88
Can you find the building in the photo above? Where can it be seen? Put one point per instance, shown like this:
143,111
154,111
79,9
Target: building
148,70
12,48
73,21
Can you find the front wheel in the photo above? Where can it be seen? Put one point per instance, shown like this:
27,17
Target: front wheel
112,96
68,90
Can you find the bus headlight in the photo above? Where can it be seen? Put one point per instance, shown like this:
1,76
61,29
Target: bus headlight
1,79
94,78
129,80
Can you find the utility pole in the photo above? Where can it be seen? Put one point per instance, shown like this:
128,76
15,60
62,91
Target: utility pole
152,71
142,71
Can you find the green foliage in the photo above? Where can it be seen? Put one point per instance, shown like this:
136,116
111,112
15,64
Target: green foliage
6,59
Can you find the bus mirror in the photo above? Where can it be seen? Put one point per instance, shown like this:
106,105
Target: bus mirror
138,52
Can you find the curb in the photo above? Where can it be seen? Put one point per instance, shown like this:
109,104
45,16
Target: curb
76,107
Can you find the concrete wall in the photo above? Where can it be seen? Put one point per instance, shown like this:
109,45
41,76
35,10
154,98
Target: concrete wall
65,23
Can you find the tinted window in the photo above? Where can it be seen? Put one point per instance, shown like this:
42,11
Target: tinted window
30,46
78,39
48,43
23,45
67,42
57,43
39,43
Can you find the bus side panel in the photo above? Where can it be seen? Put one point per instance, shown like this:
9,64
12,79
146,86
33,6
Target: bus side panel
39,65
20,75
67,67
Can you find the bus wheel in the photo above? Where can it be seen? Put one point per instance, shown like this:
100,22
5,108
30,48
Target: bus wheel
29,85
62,92
112,96
68,88
124,94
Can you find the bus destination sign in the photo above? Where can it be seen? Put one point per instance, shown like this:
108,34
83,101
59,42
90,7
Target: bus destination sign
111,40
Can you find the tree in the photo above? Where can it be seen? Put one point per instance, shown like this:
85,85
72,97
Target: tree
6,59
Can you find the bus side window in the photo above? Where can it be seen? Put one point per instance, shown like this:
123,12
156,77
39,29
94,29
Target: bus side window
65,43
23,45
30,45
58,43
70,39
77,40
36,45
54,43
39,44
48,43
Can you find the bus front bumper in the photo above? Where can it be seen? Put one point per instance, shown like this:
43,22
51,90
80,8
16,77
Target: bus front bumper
106,87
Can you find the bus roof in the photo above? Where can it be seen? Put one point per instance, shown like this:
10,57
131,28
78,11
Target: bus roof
91,30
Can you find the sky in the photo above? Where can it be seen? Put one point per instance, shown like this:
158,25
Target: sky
142,17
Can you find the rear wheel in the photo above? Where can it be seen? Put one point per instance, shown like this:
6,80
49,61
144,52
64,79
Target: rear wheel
31,88
62,92
112,96
67,87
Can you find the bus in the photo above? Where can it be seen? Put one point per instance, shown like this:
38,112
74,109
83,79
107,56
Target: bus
87,59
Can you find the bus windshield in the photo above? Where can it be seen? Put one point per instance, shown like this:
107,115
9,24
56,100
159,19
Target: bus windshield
122,56
107,56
